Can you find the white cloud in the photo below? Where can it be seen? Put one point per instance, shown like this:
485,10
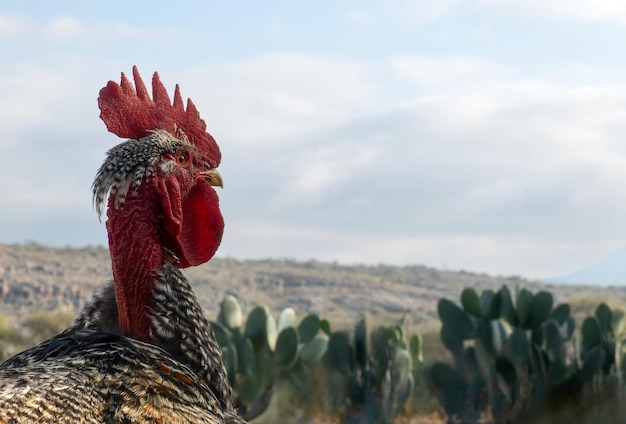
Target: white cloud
273,97
323,170
54,195
68,30
512,146
600,10
412,11
359,16
29,96
12,26
482,198
444,70
425,10
64,28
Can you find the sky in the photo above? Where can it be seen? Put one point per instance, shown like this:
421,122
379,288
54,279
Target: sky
480,135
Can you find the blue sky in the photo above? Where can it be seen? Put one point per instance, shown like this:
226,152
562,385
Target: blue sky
480,135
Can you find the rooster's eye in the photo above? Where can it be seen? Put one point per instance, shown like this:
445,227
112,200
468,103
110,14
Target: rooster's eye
181,160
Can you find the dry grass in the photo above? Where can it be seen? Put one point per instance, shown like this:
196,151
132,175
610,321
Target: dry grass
584,305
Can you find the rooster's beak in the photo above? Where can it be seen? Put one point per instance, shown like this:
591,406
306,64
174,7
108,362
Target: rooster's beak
213,177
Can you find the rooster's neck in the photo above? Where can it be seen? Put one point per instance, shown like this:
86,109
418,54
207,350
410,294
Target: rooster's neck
136,256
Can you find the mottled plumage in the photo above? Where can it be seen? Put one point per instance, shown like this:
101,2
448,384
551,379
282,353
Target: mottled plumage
91,377
141,350
176,311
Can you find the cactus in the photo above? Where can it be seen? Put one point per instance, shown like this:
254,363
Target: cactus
260,353
315,349
261,327
230,313
471,302
251,387
379,357
507,309
221,333
420,396
567,328
361,344
287,318
617,321
400,383
231,359
603,316
286,351
340,354
523,301
519,346
492,334
401,367
520,353
552,339
490,304
592,334
376,369
455,319
450,339
510,353
594,359
561,313
540,308
325,327
450,388
309,327
415,346
600,331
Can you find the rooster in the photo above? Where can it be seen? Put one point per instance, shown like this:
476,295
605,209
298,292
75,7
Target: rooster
141,350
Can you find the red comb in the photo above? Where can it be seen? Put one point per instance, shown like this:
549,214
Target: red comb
130,113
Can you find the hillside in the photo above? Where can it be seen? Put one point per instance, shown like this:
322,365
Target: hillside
35,277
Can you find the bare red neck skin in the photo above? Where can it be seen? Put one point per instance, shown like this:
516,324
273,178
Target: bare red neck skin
136,255
156,217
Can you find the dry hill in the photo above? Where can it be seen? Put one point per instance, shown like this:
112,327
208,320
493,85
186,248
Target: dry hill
35,277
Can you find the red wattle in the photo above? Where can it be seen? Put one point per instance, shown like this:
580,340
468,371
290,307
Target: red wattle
203,224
